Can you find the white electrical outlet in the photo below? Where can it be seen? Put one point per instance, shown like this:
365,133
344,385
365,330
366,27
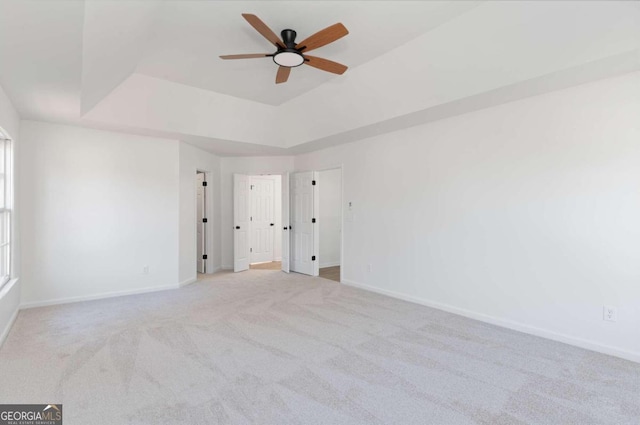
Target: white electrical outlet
610,314
145,270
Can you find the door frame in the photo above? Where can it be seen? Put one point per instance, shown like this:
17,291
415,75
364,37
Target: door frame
208,228
342,215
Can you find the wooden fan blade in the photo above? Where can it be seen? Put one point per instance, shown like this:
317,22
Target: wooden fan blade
283,74
246,56
325,64
322,38
263,29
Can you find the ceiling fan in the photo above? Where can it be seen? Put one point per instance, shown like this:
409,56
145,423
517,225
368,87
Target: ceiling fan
290,54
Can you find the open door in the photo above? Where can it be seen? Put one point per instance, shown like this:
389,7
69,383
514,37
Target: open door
316,228
201,221
263,212
303,220
285,223
241,212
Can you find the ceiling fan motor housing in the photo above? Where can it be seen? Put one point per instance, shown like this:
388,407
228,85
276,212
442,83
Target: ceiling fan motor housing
289,38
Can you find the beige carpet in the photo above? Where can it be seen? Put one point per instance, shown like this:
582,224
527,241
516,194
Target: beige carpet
269,348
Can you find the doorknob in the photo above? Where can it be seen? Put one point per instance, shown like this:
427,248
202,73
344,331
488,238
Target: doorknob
271,224
285,227
237,227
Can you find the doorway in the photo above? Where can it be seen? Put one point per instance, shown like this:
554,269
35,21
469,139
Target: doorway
293,212
330,223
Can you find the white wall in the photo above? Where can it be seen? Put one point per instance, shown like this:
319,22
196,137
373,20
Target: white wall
97,207
193,159
525,214
242,165
330,220
10,293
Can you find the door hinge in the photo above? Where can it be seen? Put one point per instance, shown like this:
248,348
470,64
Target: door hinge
313,182
250,218
204,257
313,220
204,220
204,183
250,249
313,258
251,187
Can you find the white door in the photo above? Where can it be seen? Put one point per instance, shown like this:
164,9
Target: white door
241,193
262,218
200,225
316,227
285,223
303,240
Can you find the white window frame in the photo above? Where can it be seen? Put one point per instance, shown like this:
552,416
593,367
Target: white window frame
6,207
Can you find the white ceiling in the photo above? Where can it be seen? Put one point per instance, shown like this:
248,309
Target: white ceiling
189,36
41,57
152,67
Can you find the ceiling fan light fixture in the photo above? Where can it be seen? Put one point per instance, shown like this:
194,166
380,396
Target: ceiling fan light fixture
289,58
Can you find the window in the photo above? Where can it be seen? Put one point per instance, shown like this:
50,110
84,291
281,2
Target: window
6,204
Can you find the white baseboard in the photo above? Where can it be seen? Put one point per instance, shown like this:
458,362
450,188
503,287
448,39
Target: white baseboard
7,329
188,281
505,323
96,296
111,294
330,264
